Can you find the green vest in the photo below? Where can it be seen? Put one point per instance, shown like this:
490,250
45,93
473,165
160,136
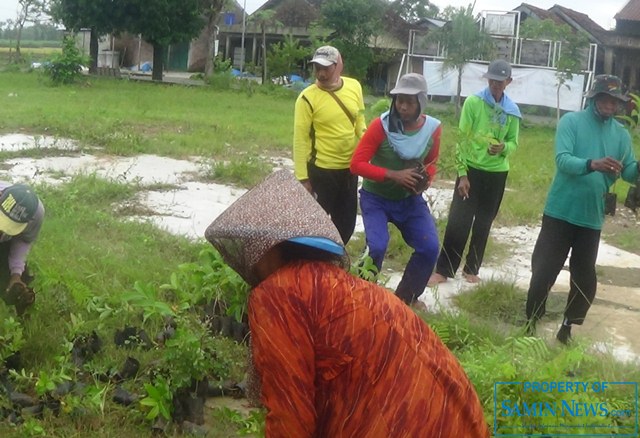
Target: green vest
386,157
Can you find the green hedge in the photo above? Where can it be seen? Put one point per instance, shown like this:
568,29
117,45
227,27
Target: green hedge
30,43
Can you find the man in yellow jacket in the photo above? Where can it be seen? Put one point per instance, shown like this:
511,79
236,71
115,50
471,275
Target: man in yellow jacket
328,123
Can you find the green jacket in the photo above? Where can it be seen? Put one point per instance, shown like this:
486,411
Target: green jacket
479,127
576,194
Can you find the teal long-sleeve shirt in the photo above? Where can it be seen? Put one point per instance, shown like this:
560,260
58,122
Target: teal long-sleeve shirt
478,128
576,194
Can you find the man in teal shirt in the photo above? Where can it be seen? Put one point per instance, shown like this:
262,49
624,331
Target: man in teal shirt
489,127
592,151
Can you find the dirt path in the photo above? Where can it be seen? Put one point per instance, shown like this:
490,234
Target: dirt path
614,318
613,321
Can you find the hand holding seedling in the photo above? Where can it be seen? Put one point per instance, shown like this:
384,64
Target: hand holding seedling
495,149
463,187
407,178
606,165
15,279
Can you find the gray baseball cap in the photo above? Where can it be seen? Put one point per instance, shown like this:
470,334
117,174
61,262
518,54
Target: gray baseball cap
411,83
326,55
499,70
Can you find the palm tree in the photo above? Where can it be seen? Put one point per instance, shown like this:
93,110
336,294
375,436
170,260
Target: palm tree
263,19
462,40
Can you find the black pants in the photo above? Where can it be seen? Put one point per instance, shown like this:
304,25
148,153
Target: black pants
475,215
337,193
552,247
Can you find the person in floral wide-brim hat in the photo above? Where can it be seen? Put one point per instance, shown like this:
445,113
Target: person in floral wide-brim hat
21,217
335,355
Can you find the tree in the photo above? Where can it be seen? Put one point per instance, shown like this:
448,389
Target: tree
8,30
28,11
164,22
285,56
415,10
354,22
462,40
570,59
41,32
448,12
264,19
212,9
101,16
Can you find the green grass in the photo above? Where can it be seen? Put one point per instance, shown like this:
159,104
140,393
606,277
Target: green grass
129,118
10,62
31,45
486,334
89,255
86,251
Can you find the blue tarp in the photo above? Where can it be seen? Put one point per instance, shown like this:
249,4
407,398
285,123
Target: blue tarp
245,74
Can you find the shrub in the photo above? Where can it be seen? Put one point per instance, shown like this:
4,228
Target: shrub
66,67
221,80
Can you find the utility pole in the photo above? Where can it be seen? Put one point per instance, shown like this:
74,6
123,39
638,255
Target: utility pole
244,28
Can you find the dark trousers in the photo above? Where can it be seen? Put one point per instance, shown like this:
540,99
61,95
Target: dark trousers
475,215
337,192
552,247
412,217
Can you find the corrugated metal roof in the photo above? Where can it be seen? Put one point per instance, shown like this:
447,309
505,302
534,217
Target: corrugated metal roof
436,22
583,20
541,14
630,12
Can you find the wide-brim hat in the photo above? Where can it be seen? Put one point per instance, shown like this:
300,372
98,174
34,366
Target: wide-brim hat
608,84
276,210
18,206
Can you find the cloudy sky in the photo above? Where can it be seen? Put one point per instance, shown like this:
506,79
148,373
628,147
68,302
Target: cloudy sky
600,11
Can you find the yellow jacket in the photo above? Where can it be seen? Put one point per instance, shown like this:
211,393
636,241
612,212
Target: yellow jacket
323,131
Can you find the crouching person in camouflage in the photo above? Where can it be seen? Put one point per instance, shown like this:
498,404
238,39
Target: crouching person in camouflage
21,217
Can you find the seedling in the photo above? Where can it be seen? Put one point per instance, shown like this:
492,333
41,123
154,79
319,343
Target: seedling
158,400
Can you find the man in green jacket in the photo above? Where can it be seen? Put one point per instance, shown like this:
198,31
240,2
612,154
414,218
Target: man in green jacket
489,126
592,151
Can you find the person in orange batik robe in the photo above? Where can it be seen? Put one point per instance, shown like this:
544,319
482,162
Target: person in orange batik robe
336,356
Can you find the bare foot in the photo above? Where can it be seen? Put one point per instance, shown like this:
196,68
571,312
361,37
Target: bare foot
419,306
471,278
436,279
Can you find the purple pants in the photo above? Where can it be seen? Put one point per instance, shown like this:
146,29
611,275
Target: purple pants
412,217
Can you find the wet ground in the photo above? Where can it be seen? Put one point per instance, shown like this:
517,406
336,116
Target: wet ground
178,201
